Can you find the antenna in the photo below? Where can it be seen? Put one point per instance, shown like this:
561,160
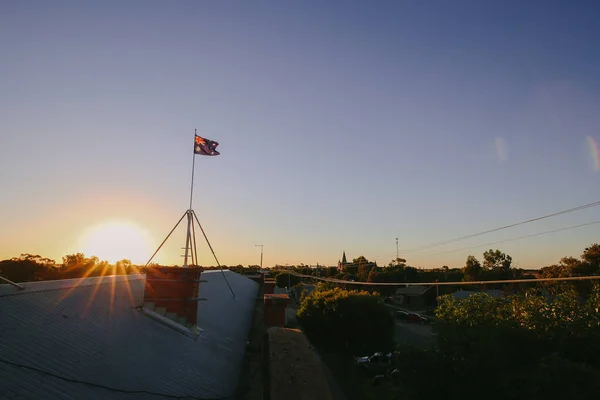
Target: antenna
261,253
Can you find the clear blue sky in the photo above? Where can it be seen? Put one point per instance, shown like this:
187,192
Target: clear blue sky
342,125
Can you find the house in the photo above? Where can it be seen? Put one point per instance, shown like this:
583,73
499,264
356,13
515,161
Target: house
415,297
166,334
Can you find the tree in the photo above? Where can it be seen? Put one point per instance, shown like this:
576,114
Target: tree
36,259
286,280
360,260
123,267
28,268
591,260
77,265
472,269
356,323
496,260
330,272
364,267
397,262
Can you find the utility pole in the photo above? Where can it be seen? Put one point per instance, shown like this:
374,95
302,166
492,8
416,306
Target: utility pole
397,253
261,253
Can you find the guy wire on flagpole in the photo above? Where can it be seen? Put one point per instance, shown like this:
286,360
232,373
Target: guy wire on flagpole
190,240
213,253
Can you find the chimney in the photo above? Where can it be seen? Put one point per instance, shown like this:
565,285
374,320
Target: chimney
275,305
172,293
269,286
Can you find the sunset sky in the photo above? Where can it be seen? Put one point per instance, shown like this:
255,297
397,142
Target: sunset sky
341,126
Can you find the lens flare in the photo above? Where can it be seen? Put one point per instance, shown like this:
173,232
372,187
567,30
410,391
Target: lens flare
592,145
501,149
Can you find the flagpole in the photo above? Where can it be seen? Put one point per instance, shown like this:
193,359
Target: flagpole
188,237
193,164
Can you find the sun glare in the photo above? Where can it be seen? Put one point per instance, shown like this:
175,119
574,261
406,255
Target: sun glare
115,240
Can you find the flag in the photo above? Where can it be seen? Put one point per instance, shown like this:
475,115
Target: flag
205,147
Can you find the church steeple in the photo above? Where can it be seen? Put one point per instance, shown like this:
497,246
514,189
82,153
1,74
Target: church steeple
344,258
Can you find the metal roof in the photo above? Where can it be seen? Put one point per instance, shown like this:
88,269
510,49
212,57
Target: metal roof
412,290
94,333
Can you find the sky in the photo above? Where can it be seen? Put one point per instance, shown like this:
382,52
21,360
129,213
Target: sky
342,125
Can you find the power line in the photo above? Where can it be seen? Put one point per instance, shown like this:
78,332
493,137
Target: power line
333,280
518,238
436,244
112,389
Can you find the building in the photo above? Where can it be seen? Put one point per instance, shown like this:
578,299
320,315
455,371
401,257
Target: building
166,334
345,266
415,297
343,263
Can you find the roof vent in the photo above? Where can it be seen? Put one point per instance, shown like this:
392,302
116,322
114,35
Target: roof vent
171,295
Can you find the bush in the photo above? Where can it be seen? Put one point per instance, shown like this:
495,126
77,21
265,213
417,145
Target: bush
353,322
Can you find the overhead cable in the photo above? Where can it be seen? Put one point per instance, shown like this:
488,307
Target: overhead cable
341,281
519,238
440,243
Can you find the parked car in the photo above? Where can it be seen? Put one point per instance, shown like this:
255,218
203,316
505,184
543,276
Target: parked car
402,315
378,363
417,318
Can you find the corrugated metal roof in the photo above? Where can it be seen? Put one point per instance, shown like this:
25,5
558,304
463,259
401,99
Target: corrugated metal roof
95,334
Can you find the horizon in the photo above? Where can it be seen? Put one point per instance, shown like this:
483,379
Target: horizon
339,128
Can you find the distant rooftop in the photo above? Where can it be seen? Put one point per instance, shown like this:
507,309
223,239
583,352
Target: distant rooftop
91,330
412,290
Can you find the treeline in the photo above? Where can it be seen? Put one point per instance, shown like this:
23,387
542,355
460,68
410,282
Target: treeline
30,268
495,265
33,267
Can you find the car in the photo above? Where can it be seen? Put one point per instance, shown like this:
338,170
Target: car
417,318
376,364
414,317
402,315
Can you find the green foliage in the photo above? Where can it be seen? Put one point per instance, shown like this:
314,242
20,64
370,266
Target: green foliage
532,346
284,280
472,269
325,286
495,259
29,268
354,322
591,255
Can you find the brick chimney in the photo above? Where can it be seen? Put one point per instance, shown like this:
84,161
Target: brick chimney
172,292
275,305
269,286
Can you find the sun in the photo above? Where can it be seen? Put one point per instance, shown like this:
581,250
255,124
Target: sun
115,240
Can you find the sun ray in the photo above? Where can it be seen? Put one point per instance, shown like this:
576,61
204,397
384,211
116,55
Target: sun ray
97,286
127,286
85,275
